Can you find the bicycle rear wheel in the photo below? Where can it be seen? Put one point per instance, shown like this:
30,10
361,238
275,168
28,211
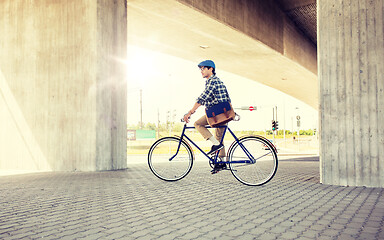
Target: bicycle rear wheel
264,165
166,162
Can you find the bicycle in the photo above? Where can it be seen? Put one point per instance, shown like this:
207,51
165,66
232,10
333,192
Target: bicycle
251,159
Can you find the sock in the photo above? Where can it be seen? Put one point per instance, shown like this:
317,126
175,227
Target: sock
213,140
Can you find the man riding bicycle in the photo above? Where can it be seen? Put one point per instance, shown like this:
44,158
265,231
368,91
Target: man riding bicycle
215,92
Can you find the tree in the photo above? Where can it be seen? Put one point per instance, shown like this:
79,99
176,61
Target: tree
150,126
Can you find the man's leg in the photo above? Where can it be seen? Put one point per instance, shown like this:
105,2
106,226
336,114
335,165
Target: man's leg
218,135
200,126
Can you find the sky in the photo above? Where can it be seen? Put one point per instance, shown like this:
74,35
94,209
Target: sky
171,85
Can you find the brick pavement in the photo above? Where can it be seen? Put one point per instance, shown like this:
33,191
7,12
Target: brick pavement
134,204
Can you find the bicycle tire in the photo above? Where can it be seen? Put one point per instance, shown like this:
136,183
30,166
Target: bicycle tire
159,156
262,170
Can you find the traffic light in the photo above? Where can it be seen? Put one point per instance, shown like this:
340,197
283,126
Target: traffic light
275,125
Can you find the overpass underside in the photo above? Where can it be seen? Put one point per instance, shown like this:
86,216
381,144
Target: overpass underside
253,39
63,90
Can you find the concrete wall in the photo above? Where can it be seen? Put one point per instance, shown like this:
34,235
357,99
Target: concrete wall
265,22
351,92
62,86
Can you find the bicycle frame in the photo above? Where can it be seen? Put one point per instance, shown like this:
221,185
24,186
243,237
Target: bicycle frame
249,155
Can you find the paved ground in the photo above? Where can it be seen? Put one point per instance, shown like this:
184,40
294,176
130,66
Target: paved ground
134,204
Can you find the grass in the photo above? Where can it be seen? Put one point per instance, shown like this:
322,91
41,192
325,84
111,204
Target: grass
306,142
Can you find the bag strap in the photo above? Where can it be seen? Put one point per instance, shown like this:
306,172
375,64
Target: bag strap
214,117
226,113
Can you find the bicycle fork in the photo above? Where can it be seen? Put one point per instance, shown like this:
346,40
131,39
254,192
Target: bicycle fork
178,147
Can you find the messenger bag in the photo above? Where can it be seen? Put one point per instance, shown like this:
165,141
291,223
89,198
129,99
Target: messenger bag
220,114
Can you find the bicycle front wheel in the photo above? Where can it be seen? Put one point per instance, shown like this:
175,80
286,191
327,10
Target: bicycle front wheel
253,161
168,161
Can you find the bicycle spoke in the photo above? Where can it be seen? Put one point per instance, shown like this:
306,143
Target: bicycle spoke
169,160
265,161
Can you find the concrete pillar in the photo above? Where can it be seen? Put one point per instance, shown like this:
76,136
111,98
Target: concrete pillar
62,85
351,70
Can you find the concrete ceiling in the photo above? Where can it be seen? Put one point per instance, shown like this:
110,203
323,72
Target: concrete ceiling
170,27
303,13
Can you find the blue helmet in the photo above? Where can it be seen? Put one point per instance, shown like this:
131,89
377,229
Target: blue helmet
207,63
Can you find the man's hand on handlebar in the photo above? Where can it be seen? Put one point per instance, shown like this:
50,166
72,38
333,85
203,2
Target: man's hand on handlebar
190,112
186,117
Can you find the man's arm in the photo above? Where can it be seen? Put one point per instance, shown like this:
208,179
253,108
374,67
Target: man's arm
209,86
192,111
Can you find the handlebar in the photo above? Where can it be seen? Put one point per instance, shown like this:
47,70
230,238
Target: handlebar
182,120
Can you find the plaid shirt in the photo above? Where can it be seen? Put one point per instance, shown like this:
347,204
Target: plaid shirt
215,92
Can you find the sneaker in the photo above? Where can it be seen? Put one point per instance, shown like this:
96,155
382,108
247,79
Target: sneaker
218,166
215,148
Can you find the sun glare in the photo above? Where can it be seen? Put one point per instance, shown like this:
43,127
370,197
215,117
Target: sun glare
166,83
143,66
